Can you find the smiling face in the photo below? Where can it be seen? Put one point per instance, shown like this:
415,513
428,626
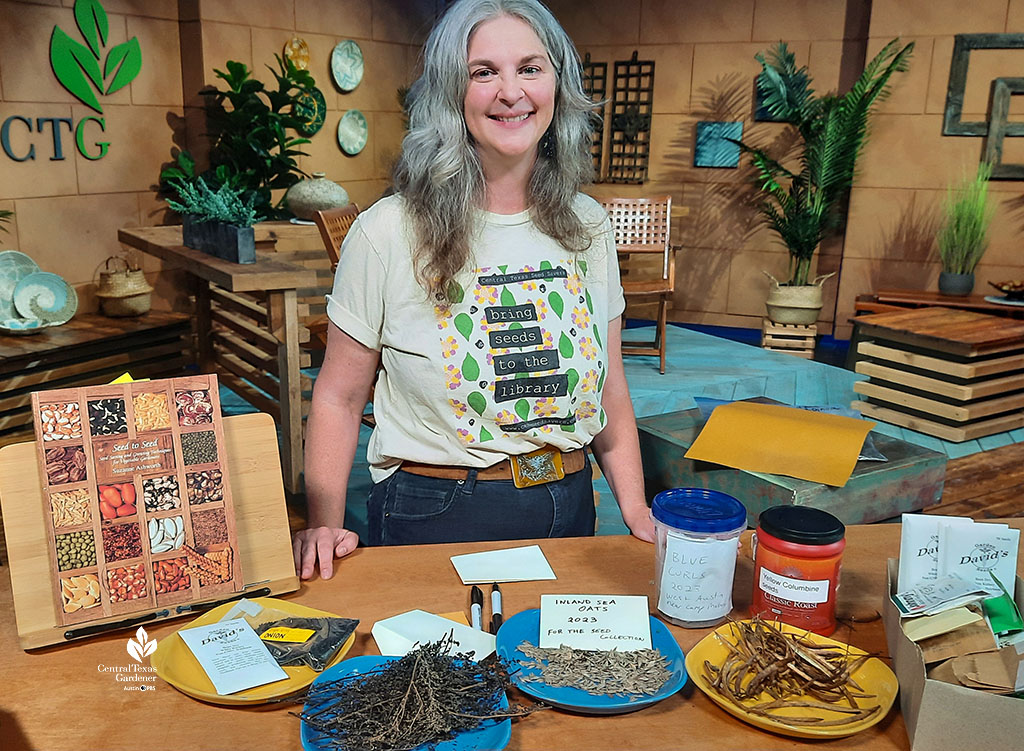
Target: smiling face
510,99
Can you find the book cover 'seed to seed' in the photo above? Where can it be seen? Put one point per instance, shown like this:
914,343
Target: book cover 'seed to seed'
136,496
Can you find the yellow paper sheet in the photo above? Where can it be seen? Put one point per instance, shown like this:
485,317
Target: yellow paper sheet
783,441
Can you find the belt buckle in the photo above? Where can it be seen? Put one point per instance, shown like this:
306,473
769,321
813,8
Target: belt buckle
537,467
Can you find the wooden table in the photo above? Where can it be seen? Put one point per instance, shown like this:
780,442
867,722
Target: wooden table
57,698
885,300
954,374
248,330
88,350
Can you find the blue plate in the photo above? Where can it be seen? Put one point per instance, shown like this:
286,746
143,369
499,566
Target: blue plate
525,626
347,65
492,735
352,132
47,297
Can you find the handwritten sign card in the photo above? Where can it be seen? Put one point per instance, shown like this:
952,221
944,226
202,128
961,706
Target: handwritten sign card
597,622
696,578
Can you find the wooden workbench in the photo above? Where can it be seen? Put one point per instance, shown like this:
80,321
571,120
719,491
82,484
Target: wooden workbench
58,699
247,329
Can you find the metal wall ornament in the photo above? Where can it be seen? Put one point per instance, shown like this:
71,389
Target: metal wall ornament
296,50
595,85
311,108
632,105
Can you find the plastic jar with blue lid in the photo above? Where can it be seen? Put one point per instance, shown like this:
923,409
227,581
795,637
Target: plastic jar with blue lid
698,542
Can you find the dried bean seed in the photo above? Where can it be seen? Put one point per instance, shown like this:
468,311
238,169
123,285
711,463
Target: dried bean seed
121,541
199,447
161,493
171,576
127,583
209,528
151,412
194,407
64,465
205,486
61,421
107,417
71,508
76,550
80,592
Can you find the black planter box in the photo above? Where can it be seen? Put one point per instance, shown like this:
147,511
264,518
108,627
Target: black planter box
226,241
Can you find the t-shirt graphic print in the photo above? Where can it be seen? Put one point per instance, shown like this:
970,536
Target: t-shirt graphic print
521,351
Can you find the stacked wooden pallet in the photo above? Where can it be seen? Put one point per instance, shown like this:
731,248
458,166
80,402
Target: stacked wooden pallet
88,350
953,374
791,338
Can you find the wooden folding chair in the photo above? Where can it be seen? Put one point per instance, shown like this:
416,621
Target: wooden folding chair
333,224
642,225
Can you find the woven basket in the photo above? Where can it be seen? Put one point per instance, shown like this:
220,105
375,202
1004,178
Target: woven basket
124,291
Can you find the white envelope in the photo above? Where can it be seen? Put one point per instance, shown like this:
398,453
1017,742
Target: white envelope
398,635
522,564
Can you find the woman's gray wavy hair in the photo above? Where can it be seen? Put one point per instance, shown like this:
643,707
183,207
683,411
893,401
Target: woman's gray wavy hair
439,174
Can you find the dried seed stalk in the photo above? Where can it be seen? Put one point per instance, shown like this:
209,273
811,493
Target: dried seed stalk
793,671
426,697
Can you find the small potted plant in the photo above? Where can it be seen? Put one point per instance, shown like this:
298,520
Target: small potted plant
218,222
963,236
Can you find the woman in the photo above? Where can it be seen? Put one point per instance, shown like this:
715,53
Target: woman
487,291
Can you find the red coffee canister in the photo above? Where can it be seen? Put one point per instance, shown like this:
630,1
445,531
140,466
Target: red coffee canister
797,555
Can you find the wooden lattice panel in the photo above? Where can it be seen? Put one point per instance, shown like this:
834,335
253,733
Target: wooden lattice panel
640,224
595,85
632,105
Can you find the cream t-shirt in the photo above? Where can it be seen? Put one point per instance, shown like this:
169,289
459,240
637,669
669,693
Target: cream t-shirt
515,363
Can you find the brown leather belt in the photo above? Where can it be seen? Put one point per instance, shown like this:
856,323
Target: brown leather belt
572,461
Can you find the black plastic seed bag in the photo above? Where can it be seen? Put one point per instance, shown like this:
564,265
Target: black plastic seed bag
329,635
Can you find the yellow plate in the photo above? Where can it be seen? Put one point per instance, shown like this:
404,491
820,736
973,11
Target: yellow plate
175,663
874,676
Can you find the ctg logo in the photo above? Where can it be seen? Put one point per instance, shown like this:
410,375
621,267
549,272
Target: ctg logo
141,646
87,70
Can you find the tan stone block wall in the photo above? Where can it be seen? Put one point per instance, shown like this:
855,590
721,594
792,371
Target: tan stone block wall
68,211
896,203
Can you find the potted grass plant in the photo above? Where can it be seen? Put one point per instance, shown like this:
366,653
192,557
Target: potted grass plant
218,222
963,236
801,199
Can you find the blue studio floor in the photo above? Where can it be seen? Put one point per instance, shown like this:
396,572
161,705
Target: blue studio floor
699,364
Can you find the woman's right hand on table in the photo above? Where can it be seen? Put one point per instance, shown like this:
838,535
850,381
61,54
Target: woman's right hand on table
320,546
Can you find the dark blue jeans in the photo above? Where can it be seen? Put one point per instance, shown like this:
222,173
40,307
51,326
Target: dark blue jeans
407,509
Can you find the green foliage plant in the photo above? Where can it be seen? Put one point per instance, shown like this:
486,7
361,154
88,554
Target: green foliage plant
225,204
963,236
252,131
5,217
802,205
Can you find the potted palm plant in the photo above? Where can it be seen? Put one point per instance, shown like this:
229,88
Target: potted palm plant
963,236
801,199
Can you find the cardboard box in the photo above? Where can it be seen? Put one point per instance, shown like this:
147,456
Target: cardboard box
941,716
910,480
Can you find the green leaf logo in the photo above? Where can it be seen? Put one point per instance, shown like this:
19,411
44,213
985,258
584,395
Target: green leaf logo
565,346
523,408
555,301
545,265
477,402
597,336
464,325
456,292
583,266
574,378
485,435
77,65
470,370
569,428
590,303
507,298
